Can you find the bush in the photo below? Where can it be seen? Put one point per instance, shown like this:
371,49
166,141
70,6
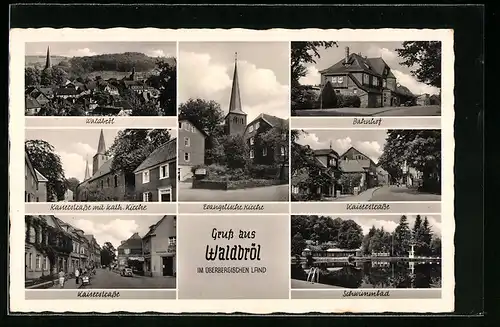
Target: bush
304,97
263,171
350,101
328,96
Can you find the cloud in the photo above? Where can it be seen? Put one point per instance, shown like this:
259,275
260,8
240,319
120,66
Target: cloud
386,54
366,224
372,149
114,231
260,90
413,85
158,53
80,53
313,77
73,165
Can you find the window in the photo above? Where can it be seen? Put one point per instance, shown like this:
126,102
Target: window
30,261
264,152
171,241
186,156
334,79
165,195
252,141
38,264
251,154
295,189
145,177
116,180
257,125
180,125
45,263
283,150
186,126
192,129
187,141
250,129
355,90
164,171
333,162
340,79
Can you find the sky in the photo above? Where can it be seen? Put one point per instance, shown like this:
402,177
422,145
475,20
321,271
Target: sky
82,49
206,72
386,50
112,228
74,146
368,141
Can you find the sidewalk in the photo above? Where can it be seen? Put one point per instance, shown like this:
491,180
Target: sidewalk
364,196
69,284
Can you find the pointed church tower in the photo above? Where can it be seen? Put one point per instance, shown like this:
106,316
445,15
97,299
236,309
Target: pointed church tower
48,63
87,170
100,157
236,119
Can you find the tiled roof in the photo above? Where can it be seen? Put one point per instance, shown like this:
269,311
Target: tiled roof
356,62
31,103
351,166
153,227
65,91
325,152
134,242
167,151
103,170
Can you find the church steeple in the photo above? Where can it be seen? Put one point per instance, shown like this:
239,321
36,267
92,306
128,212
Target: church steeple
87,170
101,147
236,119
48,63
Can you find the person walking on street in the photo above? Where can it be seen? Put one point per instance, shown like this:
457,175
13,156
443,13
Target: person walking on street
61,279
77,275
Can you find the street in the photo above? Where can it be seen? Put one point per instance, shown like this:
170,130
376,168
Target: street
382,111
105,279
402,193
266,193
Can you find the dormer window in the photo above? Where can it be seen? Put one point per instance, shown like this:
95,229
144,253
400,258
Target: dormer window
257,125
252,141
334,79
186,127
250,129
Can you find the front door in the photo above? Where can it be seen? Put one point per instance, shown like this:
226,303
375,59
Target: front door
168,266
165,195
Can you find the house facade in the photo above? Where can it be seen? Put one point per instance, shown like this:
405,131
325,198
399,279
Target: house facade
35,184
383,176
105,184
159,248
354,162
371,79
31,106
191,149
130,253
155,177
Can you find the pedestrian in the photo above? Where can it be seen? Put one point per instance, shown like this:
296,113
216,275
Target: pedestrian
77,275
61,279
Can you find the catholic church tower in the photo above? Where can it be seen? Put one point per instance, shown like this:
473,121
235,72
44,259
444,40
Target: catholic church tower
236,119
48,63
100,157
87,170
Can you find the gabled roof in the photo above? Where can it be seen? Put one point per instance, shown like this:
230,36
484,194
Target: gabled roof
325,152
343,154
103,170
40,177
356,63
152,228
194,124
271,120
351,166
31,103
30,165
166,152
65,91
134,242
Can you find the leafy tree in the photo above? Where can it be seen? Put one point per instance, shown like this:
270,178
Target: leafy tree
32,76
235,151
303,53
350,235
133,146
420,149
436,246
48,163
206,115
426,56
277,138
328,96
402,237
167,87
349,182
108,255
304,97
72,183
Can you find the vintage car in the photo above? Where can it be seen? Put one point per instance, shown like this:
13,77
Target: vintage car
127,272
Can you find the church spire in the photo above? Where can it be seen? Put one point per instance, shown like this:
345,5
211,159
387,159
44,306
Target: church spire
48,64
235,101
101,147
87,170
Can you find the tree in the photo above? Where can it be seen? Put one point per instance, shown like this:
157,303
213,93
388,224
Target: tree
426,56
419,149
132,146
349,182
350,235
204,114
168,87
402,237
298,244
304,97
417,234
107,254
277,138
426,238
436,246
32,76
72,183
53,76
235,151
328,97
303,53
48,163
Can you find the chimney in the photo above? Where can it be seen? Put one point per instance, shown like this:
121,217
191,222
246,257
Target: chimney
346,54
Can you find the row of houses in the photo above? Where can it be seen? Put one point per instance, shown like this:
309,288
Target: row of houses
154,254
52,245
154,180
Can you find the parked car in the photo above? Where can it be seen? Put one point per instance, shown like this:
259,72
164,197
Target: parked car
127,271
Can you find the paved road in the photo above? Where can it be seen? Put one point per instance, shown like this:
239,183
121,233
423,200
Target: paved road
384,111
105,279
402,193
361,197
258,194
